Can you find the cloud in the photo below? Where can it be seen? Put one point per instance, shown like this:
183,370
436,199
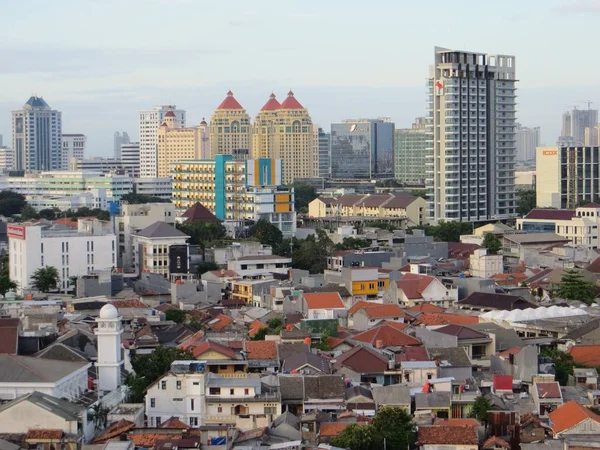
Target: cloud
579,7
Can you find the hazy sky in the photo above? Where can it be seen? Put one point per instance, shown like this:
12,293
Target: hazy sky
100,61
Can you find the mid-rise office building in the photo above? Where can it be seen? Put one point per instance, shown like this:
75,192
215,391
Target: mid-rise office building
130,158
150,120
567,176
156,187
322,152
592,136
230,131
73,149
528,139
118,140
362,149
89,248
176,143
6,159
471,136
96,164
37,136
236,190
574,123
410,147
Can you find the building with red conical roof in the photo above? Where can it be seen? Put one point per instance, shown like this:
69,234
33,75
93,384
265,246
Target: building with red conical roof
262,131
230,129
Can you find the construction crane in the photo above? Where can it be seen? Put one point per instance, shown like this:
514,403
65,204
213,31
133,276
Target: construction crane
587,102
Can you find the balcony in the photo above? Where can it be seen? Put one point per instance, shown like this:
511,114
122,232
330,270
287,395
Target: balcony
220,418
266,397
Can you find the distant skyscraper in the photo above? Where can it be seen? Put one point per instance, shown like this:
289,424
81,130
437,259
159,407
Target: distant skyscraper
322,152
176,143
150,120
574,123
118,140
37,136
362,148
1,141
410,150
130,158
592,136
73,147
471,136
6,159
528,139
230,129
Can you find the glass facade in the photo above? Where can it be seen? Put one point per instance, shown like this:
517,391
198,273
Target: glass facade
362,149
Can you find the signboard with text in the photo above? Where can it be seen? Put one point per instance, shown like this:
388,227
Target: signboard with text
16,231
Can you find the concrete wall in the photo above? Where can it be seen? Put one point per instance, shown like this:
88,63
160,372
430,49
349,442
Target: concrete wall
432,338
25,416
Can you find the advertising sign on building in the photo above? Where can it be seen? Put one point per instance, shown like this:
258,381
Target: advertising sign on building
178,259
16,231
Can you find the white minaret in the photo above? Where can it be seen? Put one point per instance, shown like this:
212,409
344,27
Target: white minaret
110,358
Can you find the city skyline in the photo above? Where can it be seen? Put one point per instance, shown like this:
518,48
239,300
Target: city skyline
100,83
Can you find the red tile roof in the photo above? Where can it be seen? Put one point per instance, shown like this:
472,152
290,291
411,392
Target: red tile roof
445,319
397,325
551,214
199,213
272,104
426,308
219,322
114,430
448,435
362,360
503,382
494,442
413,284
9,336
377,311
586,355
548,390
458,422
170,113
323,300
511,351
174,422
359,305
43,434
333,342
509,279
224,273
291,103
332,429
254,327
147,440
128,304
389,336
230,102
199,348
412,354
568,415
261,349
163,307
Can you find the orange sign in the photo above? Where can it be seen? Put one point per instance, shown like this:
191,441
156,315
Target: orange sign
550,152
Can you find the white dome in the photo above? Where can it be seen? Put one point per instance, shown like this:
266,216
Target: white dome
108,311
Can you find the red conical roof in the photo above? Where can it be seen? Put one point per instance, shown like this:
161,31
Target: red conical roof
230,102
272,104
170,113
291,103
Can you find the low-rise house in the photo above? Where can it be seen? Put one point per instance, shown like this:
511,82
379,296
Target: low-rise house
359,399
418,372
261,356
259,265
414,288
361,364
287,426
495,443
482,301
587,378
369,315
532,429
385,335
479,346
450,437
484,265
452,362
306,363
364,283
322,305
573,419
547,396
395,395
438,403
301,394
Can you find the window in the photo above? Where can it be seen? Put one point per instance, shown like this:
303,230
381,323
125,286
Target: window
270,410
214,391
196,383
158,420
152,403
178,384
42,247
246,391
219,409
192,404
163,385
231,391
193,421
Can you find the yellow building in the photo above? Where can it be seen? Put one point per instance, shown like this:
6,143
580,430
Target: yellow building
263,131
230,130
175,143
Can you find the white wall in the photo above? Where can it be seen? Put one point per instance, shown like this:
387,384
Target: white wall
24,416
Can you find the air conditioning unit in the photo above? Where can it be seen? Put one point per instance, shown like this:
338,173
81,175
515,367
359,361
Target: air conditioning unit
467,387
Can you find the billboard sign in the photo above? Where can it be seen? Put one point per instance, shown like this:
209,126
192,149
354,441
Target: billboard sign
178,259
16,231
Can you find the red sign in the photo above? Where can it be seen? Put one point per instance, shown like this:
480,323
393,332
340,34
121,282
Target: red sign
16,231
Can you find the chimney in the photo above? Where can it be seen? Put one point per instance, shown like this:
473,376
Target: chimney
378,343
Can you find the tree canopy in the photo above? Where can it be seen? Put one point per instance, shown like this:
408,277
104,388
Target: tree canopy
480,409
138,199
574,287
352,243
303,195
45,278
203,233
11,203
149,368
6,284
449,231
563,364
176,315
526,201
391,425
267,233
492,243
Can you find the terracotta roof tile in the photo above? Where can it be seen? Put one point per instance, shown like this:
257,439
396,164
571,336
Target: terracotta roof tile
114,431
494,442
586,355
458,422
261,349
174,422
332,429
511,351
549,214
413,284
254,327
359,305
199,348
412,354
128,304
383,311
426,308
389,336
448,435
568,415
445,319
219,322
397,325
43,434
199,213
333,342
147,440
362,360
230,102
225,273
323,300
548,390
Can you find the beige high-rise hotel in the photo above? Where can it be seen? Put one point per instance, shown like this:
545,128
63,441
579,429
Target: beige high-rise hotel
176,143
230,130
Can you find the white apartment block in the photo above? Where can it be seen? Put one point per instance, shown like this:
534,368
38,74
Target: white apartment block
471,127
6,159
96,164
178,393
73,149
157,187
259,265
91,247
149,121
130,158
134,218
37,136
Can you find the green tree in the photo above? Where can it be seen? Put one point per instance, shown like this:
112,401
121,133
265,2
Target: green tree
6,284
311,253
449,231
48,214
379,224
28,212
176,315
563,364
203,233
574,287
45,278
396,426
303,195
420,193
480,409
11,203
267,233
492,243
149,368
273,328
352,243
138,199
358,437
526,201
206,266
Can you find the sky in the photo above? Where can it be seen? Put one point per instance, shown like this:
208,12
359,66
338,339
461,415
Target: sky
101,61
